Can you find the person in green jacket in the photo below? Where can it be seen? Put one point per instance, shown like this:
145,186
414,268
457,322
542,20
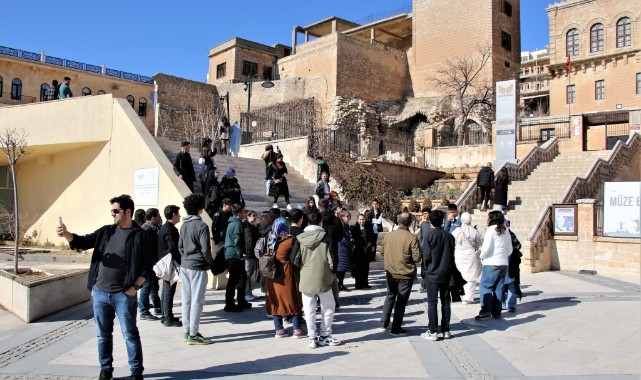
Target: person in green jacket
236,253
65,90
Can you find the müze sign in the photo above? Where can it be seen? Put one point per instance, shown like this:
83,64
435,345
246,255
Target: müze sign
505,122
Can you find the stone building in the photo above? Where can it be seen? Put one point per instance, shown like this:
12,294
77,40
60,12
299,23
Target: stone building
25,76
602,39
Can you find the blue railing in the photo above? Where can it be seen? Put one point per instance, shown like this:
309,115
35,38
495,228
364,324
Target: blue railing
31,56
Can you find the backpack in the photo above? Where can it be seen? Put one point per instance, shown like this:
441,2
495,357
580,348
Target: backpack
267,263
212,201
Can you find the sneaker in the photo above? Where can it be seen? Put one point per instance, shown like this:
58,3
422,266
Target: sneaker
274,205
313,342
422,289
106,375
512,310
289,207
447,335
281,333
298,334
328,341
401,332
250,298
175,322
136,376
430,335
464,302
245,305
496,316
232,309
383,327
198,340
157,311
185,337
148,317
482,316
344,289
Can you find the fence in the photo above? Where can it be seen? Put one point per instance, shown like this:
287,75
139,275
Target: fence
598,217
449,137
282,121
543,129
37,57
385,14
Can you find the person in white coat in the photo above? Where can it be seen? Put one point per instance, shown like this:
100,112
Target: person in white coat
467,256
495,253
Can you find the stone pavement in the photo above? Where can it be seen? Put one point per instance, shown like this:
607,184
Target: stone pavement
567,326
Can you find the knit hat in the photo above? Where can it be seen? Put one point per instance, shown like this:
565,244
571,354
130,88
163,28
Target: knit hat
229,172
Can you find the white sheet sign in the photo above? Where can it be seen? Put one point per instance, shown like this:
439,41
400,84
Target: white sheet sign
621,209
146,187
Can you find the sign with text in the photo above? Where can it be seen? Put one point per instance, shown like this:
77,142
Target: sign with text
621,209
505,122
146,187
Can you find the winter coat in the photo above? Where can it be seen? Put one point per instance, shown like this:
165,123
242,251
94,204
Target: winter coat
229,186
401,253
345,249
334,228
279,181
282,296
269,156
467,251
438,256
322,167
168,237
184,167
500,192
496,249
219,226
234,239
194,244
312,256
485,177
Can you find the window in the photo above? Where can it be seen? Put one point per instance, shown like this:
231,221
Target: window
0,87
547,134
599,90
570,94
86,91
506,41
572,43
506,8
596,38
221,70
142,107
287,52
638,83
624,34
100,92
131,100
267,73
16,89
250,68
43,92
506,63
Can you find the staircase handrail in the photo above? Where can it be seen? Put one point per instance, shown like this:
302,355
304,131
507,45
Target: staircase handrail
516,172
588,187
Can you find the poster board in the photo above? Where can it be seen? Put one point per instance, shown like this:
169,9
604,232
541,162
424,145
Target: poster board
505,122
621,209
565,219
146,187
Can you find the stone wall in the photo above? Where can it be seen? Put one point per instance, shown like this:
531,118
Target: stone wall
185,108
404,177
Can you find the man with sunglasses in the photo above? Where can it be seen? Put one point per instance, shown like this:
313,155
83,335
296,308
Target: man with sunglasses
119,265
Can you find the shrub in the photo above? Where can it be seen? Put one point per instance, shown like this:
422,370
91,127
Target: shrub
449,176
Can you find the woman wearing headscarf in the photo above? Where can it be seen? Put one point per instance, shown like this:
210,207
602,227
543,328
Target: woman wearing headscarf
466,255
230,187
345,248
495,253
234,141
500,192
282,297
277,173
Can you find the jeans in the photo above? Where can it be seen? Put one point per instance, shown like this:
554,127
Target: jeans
485,195
237,282
491,289
327,313
149,290
510,301
250,268
278,322
398,293
106,306
434,292
194,283
167,297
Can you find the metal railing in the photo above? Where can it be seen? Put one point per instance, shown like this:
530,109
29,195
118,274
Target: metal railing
540,129
282,121
385,14
36,57
598,219
6,98
446,137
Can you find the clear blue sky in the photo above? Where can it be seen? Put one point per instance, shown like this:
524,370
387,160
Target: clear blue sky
172,37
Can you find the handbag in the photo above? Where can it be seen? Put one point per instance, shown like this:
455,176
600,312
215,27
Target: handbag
220,263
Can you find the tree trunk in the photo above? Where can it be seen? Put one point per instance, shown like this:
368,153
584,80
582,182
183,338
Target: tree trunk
16,217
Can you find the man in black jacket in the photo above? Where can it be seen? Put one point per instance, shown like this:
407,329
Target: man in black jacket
334,229
149,289
438,261
219,223
183,167
119,264
168,236
322,167
485,182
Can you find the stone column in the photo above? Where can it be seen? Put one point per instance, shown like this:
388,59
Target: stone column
586,220
372,35
294,32
306,36
334,26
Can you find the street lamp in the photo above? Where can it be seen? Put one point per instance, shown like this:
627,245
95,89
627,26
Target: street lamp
247,87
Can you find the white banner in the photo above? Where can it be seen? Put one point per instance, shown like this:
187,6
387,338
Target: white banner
146,187
621,209
505,122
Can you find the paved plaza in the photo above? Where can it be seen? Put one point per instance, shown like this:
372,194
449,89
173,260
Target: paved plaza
567,326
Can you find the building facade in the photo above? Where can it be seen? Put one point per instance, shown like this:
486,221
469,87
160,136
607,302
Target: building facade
25,77
534,80
595,55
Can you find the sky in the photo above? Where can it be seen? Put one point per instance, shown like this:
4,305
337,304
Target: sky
174,37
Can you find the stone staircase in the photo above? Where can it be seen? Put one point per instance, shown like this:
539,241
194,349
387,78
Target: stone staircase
544,186
251,176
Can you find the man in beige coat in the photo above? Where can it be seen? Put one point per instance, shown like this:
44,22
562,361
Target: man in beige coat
401,252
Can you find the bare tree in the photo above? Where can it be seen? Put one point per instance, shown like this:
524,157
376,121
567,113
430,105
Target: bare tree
466,87
14,144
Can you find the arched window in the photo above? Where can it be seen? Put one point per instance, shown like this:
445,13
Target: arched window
100,92
142,107
0,87
596,38
86,91
572,43
624,32
43,92
131,100
16,89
